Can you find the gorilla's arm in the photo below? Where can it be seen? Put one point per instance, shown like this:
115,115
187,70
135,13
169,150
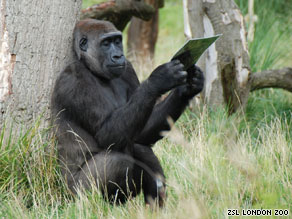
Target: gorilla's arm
173,106
127,122
108,126
113,126
121,125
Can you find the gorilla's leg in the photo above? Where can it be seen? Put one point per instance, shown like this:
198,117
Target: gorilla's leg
153,179
113,174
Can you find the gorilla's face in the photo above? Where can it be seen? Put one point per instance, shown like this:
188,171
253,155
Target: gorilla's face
111,53
99,45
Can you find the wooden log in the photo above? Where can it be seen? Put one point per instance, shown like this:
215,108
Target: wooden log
277,78
142,36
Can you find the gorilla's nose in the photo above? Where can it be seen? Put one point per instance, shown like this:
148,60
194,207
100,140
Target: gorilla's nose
118,59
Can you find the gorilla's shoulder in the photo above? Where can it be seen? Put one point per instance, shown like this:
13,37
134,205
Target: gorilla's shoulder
75,67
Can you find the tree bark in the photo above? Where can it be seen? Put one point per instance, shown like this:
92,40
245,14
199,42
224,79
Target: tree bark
278,78
119,12
142,36
226,63
36,38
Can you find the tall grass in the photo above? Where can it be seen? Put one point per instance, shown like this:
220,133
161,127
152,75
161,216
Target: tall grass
209,168
272,41
270,49
29,176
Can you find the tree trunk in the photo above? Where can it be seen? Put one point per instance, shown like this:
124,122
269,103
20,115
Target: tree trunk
226,63
119,12
142,36
36,38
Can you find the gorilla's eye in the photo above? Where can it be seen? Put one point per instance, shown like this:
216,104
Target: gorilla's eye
118,41
105,43
83,44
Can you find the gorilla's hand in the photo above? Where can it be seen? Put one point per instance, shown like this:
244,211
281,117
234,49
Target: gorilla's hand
168,76
195,83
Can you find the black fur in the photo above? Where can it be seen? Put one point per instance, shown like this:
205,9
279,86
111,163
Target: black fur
106,121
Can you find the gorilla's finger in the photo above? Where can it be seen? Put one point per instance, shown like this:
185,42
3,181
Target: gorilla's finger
198,83
178,66
198,74
181,76
175,62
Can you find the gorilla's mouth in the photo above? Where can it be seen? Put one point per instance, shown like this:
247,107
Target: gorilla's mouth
116,70
116,66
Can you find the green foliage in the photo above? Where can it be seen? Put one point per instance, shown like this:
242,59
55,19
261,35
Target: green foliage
171,32
271,48
88,3
272,41
29,176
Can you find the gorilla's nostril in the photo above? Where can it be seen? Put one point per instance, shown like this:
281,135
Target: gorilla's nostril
117,57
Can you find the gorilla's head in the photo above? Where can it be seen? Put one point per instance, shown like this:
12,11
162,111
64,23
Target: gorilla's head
98,44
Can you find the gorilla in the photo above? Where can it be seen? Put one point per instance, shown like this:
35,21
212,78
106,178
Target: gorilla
106,121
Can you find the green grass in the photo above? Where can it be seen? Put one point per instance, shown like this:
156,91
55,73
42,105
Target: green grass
210,166
272,43
212,161
270,49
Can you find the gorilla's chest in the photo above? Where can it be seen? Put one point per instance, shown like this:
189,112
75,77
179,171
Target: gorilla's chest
115,94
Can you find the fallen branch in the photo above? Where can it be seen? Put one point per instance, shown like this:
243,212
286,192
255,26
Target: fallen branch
278,78
119,12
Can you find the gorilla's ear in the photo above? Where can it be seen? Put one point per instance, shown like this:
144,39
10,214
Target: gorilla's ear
83,45
77,43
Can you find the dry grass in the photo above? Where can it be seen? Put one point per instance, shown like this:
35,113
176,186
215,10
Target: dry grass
210,166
